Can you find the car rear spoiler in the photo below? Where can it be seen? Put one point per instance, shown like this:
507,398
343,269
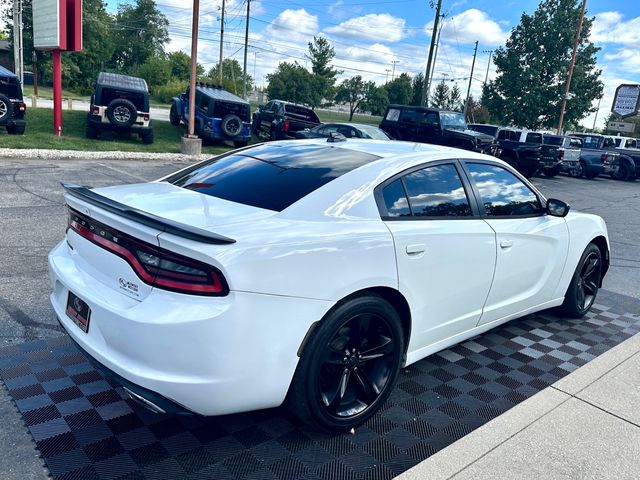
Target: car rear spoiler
165,225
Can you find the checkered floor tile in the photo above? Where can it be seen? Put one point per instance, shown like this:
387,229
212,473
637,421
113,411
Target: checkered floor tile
86,429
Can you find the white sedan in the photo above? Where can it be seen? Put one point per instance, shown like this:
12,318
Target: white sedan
310,272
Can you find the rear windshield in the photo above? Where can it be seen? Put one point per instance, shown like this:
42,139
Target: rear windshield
301,113
487,129
271,176
558,141
11,88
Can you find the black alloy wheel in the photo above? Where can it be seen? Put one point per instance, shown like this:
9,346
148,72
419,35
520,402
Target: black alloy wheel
6,107
578,171
585,283
350,365
623,172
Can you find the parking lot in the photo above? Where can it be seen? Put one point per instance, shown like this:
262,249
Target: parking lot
33,219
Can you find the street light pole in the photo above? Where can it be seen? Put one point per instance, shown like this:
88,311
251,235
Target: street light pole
572,64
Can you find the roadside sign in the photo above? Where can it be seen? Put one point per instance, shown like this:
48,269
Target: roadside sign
49,24
626,127
626,101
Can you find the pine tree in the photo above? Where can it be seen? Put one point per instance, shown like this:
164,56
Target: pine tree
454,102
440,97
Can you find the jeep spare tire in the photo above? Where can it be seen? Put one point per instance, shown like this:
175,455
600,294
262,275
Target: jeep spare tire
6,108
231,125
122,112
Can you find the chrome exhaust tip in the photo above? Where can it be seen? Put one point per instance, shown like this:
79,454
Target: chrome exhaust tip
149,405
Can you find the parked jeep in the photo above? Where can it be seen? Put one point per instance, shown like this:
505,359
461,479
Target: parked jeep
280,120
120,103
12,108
219,115
435,126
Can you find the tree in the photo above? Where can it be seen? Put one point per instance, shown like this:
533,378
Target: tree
440,97
141,32
532,69
321,53
156,71
476,112
181,66
400,89
232,76
376,99
290,82
454,102
354,91
417,85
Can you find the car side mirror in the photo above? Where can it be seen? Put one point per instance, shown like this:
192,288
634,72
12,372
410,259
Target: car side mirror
557,208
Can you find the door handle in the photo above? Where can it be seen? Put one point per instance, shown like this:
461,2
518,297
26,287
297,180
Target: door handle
506,243
415,249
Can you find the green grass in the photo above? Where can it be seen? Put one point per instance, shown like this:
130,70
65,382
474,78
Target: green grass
47,92
39,134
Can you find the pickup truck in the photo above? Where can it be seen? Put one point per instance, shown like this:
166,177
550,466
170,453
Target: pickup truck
597,155
564,158
434,126
626,142
520,149
280,120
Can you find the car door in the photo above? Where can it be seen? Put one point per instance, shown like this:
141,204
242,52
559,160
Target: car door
408,128
531,245
266,117
429,128
445,252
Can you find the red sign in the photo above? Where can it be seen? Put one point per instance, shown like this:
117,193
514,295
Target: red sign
73,25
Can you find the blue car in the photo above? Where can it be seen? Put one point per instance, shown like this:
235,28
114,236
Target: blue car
220,115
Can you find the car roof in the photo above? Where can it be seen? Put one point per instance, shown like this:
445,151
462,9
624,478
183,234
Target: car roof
122,82
6,73
218,93
427,109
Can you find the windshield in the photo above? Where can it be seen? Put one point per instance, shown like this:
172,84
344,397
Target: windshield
453,120
374,133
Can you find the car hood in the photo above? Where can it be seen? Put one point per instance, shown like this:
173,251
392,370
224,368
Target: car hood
182,205
467,133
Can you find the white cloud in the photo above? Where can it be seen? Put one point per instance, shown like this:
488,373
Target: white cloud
374,53
469,26
609,27
371,27
297,26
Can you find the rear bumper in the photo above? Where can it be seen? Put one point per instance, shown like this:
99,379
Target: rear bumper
97,122
211,356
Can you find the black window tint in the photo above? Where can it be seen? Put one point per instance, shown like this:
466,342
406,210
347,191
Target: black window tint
395,200
410,116
271,176
429,118
557,141
503,193
437,192
534,138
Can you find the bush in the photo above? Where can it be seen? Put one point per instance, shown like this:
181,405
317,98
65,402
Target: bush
173,88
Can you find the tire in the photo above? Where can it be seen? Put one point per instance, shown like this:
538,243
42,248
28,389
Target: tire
174,118
336,387
231,125
584,285
122,112
551,172
579,171
240,143
6,108
91,132
528,172
623,173
590,175
510,160
147,137
18,130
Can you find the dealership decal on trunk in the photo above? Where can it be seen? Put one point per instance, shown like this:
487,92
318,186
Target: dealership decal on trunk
128,286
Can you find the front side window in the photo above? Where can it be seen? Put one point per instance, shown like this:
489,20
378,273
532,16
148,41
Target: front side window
502,193
410,116
327,130
430,118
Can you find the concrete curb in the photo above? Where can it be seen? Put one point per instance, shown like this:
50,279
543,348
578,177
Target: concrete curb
101,155
460,455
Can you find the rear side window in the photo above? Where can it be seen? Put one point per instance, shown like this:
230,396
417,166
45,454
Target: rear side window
503,194
435,191
302,113
392,115
557,141
534,138
11,87
271,176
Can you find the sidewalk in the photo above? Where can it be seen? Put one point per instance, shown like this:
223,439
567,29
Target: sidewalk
585,426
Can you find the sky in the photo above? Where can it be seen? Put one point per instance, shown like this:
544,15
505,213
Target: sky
379,39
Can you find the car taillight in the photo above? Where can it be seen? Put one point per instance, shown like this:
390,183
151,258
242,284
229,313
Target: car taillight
96,110
22,106
560,153
155,266
146,117
604,158
285,126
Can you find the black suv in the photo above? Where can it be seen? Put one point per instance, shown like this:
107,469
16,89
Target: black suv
281,120
435,126
120,103
220,115
12,107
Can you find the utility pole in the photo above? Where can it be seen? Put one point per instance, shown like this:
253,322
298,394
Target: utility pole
255,54
596,117
17,41
393,72
386,79
34,61
490,52
571,65
190,144
246,46
221,45
473,66
425,87
435,57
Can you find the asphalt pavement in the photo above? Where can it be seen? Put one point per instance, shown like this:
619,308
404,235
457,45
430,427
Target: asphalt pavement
33,220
